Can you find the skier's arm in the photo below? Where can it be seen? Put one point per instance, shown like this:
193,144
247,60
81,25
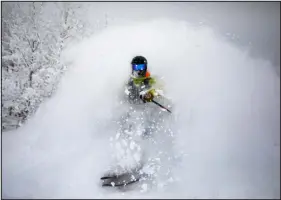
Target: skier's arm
154,89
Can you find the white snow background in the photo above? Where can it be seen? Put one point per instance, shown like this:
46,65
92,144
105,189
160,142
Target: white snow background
226,112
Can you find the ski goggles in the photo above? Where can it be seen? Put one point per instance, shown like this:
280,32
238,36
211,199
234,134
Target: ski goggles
139,67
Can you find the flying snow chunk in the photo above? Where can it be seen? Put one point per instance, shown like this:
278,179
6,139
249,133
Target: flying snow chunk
124,143
144,187
117,136
132,145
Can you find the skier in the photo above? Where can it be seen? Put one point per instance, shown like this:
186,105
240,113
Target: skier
141,87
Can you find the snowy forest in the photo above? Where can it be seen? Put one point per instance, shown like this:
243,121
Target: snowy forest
32,42
71,72
34,35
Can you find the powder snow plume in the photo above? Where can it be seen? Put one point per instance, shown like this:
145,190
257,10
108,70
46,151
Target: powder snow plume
226,113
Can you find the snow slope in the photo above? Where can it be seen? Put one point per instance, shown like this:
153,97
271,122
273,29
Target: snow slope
226,119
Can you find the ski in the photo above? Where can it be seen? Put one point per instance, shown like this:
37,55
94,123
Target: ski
112,184
121,179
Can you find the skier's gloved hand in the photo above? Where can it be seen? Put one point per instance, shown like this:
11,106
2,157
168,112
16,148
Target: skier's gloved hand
147,97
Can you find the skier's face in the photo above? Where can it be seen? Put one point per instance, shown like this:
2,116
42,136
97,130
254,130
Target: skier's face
139,70
140,73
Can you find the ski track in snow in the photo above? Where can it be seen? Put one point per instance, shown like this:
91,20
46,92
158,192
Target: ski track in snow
225,122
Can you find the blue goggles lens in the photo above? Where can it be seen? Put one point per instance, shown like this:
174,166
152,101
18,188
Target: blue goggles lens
139,67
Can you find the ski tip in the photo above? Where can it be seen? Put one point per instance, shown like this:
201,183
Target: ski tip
107,177
107,185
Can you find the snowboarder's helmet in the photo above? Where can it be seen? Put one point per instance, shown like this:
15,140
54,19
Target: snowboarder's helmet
139,66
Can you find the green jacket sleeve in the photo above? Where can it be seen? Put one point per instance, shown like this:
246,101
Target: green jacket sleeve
156,86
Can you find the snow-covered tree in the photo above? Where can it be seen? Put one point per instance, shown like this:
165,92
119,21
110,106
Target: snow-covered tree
32,41
34,34
21,56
